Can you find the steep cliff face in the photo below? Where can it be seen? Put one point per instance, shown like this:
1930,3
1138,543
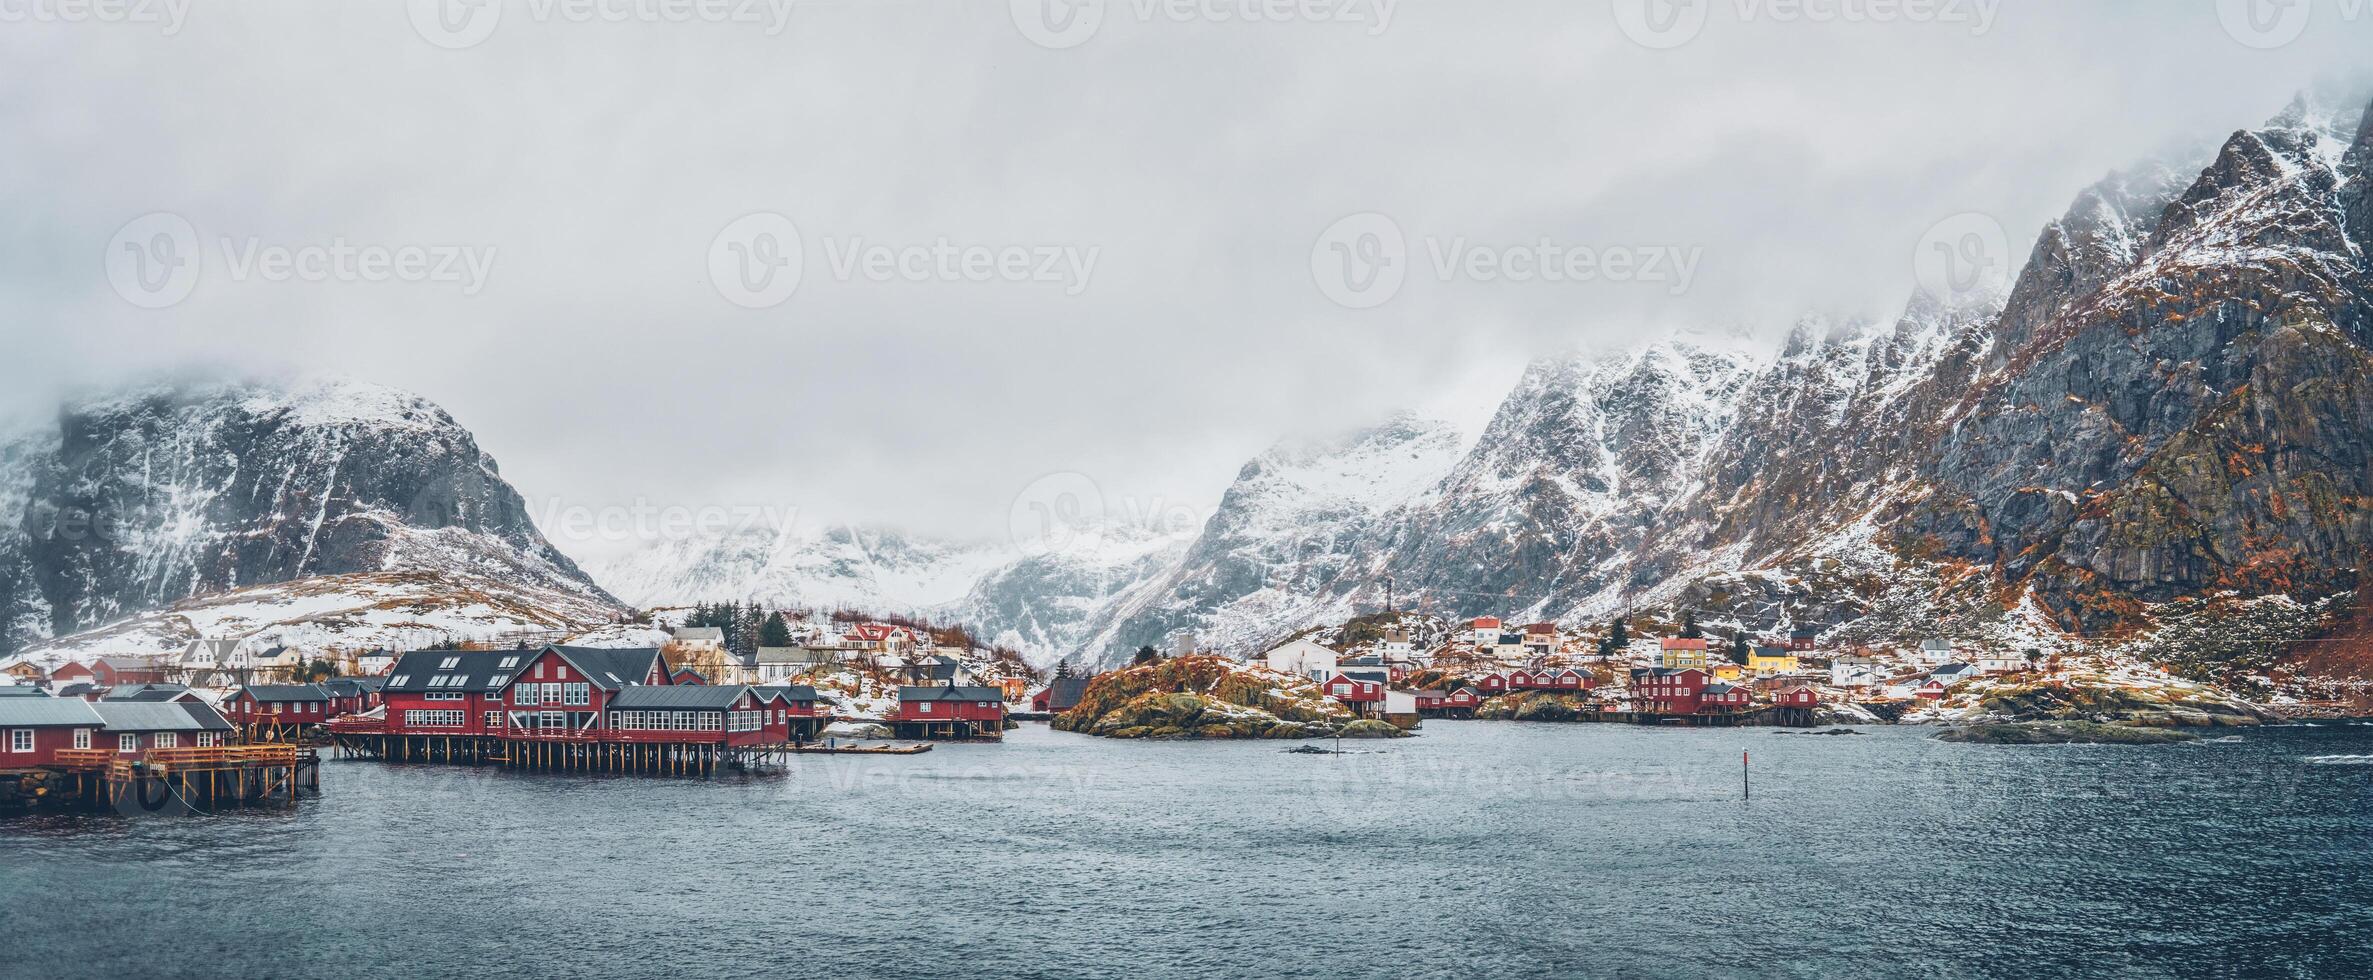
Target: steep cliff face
2171,401
131,503
2196,422
1550,506
1292,540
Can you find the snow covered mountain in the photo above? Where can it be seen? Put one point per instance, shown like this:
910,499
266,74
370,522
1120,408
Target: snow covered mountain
880,569
128,504
2172,401
1032,599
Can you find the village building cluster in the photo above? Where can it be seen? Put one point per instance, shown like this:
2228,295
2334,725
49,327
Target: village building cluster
1690,679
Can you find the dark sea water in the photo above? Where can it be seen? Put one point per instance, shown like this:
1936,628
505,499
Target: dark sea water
1480,850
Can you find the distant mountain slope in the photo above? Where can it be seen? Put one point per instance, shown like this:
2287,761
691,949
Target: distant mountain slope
359,611
130,503
2174,400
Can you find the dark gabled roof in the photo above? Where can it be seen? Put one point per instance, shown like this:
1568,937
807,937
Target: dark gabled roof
268,693
21,691
146,692
677,697
143,716
1773,651
473,672
46,712
611,669
1065,692
950,694
78,689
784,692
348,687
1722,688
127,663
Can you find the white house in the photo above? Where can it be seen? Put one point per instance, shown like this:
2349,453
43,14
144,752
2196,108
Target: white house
1999,661
1303,658
1951,674
699,637
1939,652
214,655
1854,672
375,663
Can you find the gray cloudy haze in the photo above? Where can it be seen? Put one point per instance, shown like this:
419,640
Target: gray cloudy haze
1084,238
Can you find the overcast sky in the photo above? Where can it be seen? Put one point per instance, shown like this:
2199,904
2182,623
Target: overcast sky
1197,162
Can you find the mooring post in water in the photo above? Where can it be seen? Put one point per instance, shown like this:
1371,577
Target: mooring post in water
1745,792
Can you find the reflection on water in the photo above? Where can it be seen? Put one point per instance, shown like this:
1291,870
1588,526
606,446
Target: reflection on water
1481,849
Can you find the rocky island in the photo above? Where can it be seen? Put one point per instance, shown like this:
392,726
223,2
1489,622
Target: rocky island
1208,697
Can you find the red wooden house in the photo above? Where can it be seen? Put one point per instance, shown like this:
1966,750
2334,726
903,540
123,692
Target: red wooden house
560,690
1558,680
278,709
950,711
1799,696
1353,691
795,713
353,695
680,714
132,727
1462,699
110,672
1724,697
34,729
1490,684
1667,691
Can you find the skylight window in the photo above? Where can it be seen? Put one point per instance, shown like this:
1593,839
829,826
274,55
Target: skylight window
449,663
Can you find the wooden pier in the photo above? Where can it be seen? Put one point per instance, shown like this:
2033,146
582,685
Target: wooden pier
634,753
180,780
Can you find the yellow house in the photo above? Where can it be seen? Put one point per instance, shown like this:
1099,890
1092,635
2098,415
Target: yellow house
1727,670
1771,660
1680,654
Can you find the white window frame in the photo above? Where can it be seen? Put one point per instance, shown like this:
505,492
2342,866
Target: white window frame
168,740
82,738
127,742
21,739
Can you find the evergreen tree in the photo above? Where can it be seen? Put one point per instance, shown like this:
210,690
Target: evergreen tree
1147,655
1618,637
1689,630
774,633
1739,649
